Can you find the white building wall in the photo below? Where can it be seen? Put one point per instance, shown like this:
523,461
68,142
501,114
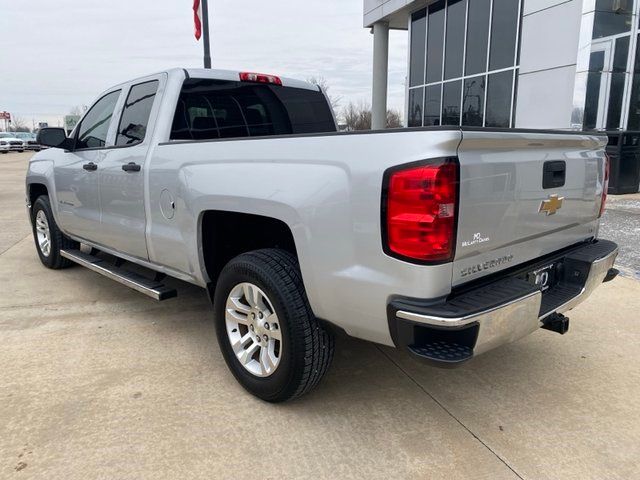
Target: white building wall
548,62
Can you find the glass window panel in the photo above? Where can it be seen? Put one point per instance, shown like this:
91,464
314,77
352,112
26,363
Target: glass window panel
95,125
634,105
454,45
432,105
135,116
417,57
621,55
416,97
615,100
499,95
608,23
594,80
451,103
596,61
473,101
503,34
477,36
614,5
435,39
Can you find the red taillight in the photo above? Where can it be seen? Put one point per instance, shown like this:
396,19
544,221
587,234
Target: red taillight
605,185
260,78
421,207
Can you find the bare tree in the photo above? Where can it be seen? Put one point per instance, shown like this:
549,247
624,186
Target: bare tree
18,125
77,110
322,82
357,116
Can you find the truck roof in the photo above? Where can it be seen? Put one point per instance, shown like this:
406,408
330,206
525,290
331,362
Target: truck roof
219,74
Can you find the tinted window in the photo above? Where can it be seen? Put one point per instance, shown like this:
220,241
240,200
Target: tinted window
432,105
454,51
499,95
435,40
418,32
609,23
473,101
615,100
451,103
621,54
135,116
614,5
594,80
415,107
633,122
95,125
503,34
209,109
477,36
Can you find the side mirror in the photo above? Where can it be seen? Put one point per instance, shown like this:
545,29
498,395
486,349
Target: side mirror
54,137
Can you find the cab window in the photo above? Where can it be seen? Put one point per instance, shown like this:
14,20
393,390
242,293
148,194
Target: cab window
136,113
95,125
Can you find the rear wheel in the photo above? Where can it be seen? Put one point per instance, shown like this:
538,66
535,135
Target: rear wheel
48,237
269,337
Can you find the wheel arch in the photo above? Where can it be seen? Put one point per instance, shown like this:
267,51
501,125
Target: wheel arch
226,234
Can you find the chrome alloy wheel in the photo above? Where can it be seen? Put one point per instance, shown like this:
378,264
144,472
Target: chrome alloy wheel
43,233
253,329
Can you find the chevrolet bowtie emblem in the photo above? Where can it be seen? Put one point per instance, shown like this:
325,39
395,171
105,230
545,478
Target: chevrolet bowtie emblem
552,205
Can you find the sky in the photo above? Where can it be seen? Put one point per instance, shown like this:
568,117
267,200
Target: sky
55,55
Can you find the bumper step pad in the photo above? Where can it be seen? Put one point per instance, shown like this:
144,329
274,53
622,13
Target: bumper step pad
441,351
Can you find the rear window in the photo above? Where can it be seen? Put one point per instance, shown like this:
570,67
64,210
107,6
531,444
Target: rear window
211,109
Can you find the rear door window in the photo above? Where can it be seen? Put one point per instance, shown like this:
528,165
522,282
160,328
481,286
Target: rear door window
95,125
136,112
213,109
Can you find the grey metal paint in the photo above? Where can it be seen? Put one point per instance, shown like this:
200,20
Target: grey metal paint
327,189
501,191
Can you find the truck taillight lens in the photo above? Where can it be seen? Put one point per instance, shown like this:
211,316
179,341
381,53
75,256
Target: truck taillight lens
420,209
260,78
605,186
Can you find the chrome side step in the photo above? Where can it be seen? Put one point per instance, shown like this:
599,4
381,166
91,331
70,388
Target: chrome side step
151,288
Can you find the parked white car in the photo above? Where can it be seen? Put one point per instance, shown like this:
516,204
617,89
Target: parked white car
29,140
9,143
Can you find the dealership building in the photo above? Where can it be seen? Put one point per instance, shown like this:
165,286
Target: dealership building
566,64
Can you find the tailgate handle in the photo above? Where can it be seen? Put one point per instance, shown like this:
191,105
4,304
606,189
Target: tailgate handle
554,174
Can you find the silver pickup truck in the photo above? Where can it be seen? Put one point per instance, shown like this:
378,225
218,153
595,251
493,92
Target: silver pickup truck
446,241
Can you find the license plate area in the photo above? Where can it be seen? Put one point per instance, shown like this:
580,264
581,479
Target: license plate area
544,277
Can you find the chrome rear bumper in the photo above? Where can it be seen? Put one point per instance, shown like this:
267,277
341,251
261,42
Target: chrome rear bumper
509,318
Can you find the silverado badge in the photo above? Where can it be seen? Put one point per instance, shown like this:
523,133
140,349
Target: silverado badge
552,205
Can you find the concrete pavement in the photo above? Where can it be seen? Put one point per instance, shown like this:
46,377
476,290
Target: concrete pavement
98,381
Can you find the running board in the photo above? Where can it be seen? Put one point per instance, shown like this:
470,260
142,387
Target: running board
151,288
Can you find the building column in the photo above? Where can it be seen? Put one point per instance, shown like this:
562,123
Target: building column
380,75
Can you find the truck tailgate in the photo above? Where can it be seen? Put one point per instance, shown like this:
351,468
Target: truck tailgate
524,195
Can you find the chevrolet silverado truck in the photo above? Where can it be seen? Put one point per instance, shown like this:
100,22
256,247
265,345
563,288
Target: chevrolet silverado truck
447,242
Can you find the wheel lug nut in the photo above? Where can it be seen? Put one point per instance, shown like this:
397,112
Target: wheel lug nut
267,326
260,315
266,339
251,327
253,315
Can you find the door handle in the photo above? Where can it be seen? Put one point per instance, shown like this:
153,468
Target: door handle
90,167
131,167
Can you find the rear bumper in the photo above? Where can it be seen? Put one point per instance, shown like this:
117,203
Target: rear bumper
481,318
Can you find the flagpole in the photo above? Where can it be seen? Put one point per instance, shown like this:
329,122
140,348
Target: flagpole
205,33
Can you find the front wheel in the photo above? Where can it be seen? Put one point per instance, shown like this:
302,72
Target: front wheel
48,237
269,337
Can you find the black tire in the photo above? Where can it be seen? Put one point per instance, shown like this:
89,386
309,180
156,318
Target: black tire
4,151
20,151
307,346
58,240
